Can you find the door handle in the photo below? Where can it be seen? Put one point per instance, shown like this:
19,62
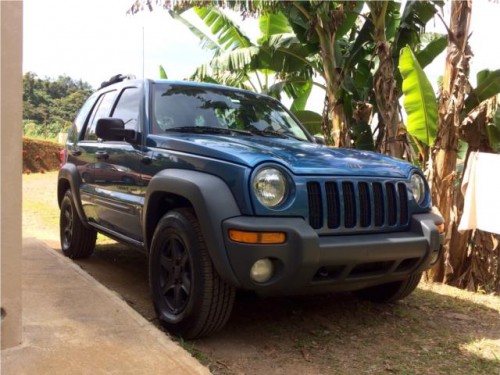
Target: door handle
101,155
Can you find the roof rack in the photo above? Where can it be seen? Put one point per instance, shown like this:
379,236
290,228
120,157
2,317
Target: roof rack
117,78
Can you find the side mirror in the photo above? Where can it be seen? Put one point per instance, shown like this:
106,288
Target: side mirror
113,129
319,140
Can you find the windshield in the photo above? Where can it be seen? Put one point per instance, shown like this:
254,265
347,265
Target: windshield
209,109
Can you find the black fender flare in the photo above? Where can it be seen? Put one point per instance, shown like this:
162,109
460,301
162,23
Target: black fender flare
212,201
69,175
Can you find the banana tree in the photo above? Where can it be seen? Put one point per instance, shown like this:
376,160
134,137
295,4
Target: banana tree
384,82
276,63
372,81
330,42
458,116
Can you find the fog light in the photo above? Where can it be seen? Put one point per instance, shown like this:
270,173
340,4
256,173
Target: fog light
262,270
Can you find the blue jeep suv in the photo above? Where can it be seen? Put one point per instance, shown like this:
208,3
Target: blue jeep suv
224,189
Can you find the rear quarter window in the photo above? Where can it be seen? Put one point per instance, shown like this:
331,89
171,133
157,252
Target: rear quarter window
100,110
83,113
127,107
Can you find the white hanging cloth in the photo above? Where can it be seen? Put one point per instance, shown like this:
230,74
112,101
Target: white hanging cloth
481,189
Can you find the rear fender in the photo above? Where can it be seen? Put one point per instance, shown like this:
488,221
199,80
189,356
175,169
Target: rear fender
69,178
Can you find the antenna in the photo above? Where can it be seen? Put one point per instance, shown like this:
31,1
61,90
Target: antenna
142,52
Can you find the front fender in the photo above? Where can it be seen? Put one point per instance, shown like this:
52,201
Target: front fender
212,202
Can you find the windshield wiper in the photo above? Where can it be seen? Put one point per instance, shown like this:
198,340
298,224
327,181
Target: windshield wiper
271,132
207,129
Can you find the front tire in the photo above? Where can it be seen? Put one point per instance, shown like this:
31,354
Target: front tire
77,241
390,292
189,297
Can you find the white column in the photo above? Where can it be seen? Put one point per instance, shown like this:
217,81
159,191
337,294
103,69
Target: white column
11,35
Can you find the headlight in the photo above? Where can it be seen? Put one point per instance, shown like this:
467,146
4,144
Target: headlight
270,187
418,187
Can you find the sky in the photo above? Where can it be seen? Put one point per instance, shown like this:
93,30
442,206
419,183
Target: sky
93,40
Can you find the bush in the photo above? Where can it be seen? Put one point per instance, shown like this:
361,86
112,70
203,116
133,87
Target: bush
32,129
40,156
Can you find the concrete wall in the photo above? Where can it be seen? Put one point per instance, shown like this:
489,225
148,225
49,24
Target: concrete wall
11,35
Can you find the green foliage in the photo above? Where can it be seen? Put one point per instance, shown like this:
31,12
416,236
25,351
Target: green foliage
432,50
420,102
49,105
228,34
163,73
362,136
488,85
205,40
295,38
311,120
352,13
415,16
273,24
43,131
493,130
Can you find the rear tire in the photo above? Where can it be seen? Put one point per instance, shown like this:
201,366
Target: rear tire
77,241
189,297
390,292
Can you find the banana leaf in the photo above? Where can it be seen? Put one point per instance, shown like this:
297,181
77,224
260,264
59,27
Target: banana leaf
163,73
419,100
488,85
311,120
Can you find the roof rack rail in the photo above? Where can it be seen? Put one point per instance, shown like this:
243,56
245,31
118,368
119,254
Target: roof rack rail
117,78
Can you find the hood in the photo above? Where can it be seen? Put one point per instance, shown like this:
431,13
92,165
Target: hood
301,158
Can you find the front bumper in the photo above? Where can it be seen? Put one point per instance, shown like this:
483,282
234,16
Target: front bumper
307,262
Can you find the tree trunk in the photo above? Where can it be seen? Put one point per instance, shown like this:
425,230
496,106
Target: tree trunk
336,118
335,128
387,102
384,85
445,190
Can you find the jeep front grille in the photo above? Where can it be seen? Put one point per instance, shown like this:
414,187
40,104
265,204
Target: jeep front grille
357,205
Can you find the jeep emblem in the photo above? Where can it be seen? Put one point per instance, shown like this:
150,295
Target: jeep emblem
354,165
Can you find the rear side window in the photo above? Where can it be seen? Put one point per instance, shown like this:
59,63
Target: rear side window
101,109
127,107
83,114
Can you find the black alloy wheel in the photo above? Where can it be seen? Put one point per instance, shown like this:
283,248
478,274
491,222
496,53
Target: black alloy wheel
77,241
190,298
175,274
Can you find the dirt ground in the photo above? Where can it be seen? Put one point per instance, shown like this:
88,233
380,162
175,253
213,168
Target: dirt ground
436,330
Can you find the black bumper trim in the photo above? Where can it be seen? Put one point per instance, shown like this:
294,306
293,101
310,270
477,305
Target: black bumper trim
308,262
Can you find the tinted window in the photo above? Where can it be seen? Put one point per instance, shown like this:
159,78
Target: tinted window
200,106
101,109
83,114
127,107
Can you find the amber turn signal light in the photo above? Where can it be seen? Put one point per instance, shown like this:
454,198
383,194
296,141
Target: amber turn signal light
440,228
257,237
